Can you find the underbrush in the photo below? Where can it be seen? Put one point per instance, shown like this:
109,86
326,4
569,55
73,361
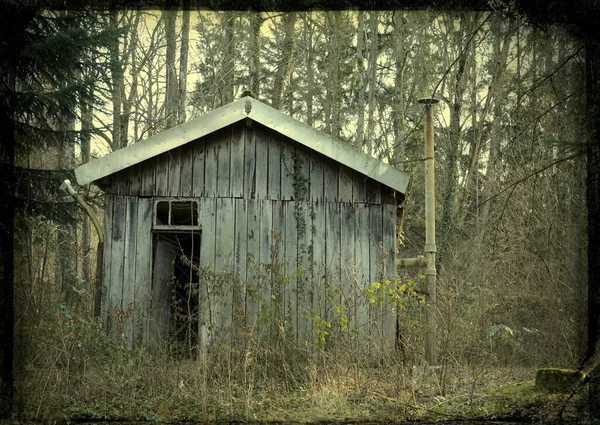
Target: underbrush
73,370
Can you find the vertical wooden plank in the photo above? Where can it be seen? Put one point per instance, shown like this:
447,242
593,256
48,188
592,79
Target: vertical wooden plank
129,269
117,256
254,298
318,261
162,273
198,168
174,172
362,255
268,266
262,165
148,170
375,271
107,259
373,192
224,250
162,175
288,153
206,318
332,257
302,174
345,183
316,176
240,255
250,162
359,187
210,165
277,265
388,195
304,281
348,283
389,273
330,180
291,270
143,267
187,164
224,163
238,136
135,179
274,164
121,182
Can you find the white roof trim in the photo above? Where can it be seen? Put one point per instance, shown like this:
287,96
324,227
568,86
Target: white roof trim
230,114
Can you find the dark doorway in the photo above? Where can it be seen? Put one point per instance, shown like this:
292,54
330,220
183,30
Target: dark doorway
177,289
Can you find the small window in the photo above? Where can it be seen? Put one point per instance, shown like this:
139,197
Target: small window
171,214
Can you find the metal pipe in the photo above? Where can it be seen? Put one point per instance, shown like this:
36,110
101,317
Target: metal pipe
430,247
417,262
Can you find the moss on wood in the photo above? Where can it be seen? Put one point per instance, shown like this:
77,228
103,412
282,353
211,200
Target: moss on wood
558,381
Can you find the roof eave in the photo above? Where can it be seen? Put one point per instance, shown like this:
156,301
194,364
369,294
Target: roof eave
160,143
246,107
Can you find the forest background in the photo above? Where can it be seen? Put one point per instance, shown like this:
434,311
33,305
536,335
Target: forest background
511,149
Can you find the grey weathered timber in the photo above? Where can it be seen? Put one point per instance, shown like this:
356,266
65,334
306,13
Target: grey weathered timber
274,166
240,262
186,178
290,276
117,255
363,238
389,272
229,114
223,154
289,235
249,164
261,168
254,296
211,166
304,281
316,177
143,275
237,160
198,170
317,276
272,248
148,173
207,274
224,263
348,268
376,273
107,256
129,266
270,264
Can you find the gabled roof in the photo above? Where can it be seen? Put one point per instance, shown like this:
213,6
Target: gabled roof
246,107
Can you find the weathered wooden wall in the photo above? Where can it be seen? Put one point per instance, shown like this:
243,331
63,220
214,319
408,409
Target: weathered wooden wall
284,230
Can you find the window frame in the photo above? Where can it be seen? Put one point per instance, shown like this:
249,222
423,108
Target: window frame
174,227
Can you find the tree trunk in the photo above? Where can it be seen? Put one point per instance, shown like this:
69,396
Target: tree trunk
360,127
171,100
453,144
310,79
183,63
399,151
254,53
500,54
284,66
372,80
117,85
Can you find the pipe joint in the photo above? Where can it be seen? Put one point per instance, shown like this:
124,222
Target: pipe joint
417,262
430,248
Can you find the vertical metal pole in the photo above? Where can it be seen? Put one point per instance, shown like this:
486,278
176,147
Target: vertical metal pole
430,247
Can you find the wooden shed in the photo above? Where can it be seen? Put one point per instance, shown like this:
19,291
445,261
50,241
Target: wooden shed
245,218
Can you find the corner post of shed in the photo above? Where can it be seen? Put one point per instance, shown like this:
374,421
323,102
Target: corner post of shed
430,246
